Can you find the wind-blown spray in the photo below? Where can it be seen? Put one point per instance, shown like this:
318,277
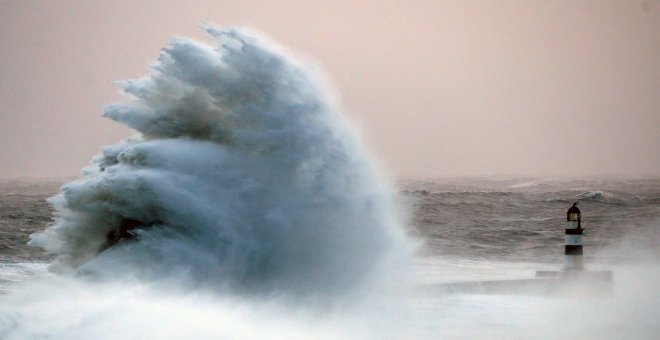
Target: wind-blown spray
244,177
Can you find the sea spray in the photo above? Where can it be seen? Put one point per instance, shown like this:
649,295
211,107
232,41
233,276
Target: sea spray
244,178
244,208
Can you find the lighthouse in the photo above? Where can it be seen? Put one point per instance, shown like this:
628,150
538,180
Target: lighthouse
599,281
573,245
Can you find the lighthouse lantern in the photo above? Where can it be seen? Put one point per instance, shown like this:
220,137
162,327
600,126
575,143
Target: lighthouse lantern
573,247
573,217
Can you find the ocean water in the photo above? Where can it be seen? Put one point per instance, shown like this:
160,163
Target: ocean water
485,229
246,207
521,219
469,230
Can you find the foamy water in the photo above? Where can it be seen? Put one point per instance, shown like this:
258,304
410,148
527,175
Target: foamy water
244,194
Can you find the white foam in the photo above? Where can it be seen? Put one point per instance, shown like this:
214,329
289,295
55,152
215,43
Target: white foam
259,209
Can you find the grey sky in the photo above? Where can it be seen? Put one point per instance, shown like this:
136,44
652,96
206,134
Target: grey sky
437,88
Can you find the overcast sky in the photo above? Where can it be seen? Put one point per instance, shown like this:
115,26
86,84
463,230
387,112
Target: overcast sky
436,88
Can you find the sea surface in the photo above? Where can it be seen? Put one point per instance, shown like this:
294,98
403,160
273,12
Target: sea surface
470,229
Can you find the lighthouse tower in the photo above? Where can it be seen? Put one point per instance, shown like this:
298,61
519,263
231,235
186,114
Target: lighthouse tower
599,281
573,247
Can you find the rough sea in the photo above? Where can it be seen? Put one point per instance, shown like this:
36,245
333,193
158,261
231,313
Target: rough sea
246,207
471,230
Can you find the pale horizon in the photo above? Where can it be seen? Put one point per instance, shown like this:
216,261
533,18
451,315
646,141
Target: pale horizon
436,89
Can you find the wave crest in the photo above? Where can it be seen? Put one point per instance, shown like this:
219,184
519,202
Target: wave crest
244,176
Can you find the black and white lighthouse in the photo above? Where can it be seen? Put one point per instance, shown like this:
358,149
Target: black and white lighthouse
599,281
573,247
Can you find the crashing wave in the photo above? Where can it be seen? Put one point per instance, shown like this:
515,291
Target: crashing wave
244,176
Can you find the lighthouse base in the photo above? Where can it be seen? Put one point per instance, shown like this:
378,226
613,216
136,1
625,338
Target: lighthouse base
594,275
546,283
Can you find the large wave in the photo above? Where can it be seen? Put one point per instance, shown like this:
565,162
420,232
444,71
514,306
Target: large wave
244,177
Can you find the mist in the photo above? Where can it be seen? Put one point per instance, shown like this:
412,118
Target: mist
243,195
